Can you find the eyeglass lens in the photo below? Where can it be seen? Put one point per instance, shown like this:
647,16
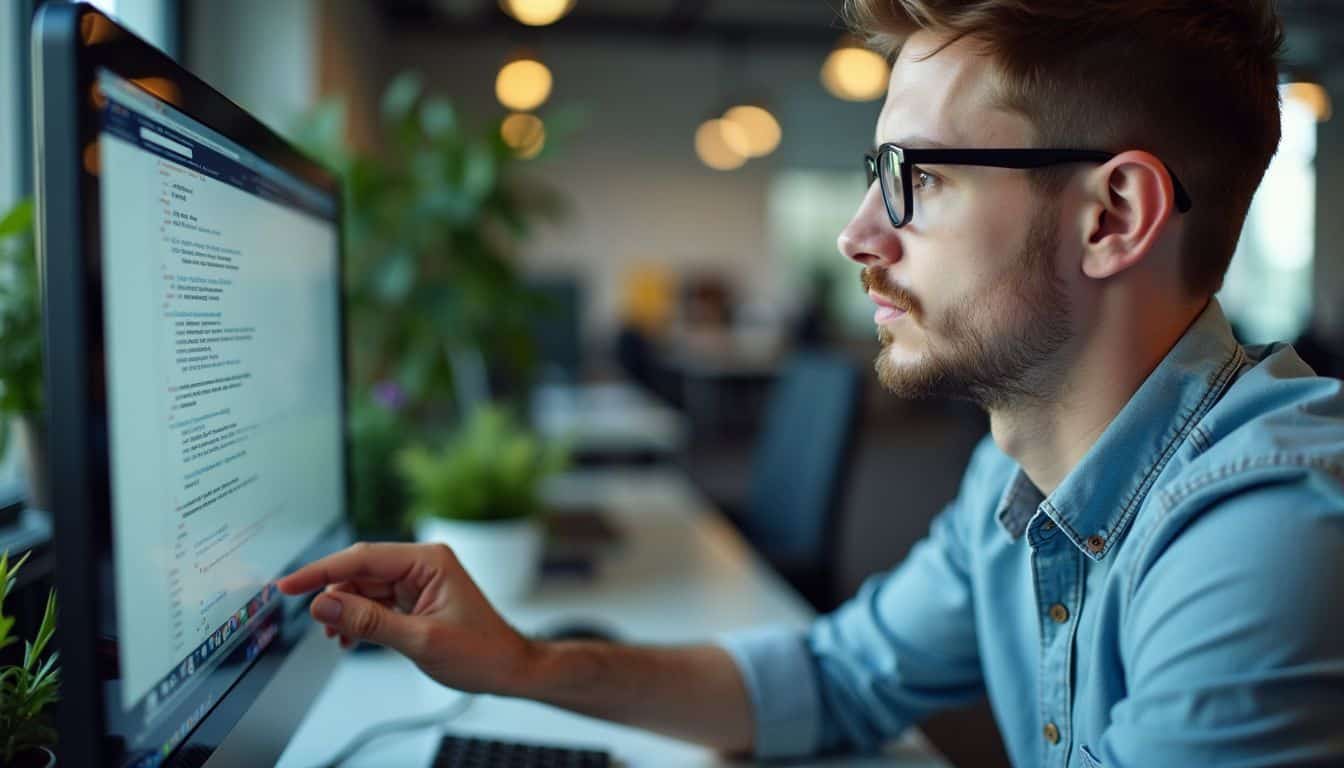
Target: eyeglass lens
889,173
886,168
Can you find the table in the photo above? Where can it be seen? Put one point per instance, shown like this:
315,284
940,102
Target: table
608,420
681,574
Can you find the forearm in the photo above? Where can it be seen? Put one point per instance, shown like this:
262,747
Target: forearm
693,693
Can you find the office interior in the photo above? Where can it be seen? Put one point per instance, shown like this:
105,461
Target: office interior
668,262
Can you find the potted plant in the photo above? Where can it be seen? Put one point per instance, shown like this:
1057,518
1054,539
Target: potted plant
21,349
26,689
433,219
480,494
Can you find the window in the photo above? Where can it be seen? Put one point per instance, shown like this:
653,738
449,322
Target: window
1268,289
15,165
807,211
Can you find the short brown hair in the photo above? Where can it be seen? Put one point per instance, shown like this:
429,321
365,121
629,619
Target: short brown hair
1195,82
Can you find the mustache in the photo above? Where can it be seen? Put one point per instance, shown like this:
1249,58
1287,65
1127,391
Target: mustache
874,279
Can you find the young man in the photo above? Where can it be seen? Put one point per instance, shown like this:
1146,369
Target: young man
1142,566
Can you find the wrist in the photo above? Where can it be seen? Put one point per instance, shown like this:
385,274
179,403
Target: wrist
524,678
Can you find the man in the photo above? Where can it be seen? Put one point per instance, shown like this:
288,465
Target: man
1143,565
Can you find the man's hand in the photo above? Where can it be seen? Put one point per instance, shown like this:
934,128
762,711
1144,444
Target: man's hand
417,600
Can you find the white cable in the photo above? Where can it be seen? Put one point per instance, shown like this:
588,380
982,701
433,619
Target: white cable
379,730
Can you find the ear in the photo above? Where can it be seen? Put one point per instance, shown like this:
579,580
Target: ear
1129,201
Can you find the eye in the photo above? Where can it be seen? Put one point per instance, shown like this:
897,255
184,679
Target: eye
924,180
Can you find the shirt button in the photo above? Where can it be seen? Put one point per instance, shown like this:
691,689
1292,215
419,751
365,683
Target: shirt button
1051,733
1059,613
1095,544
1048,525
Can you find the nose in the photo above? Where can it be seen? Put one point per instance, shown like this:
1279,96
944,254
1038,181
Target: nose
869,238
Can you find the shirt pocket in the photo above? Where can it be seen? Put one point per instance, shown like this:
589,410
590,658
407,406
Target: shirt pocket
1089,760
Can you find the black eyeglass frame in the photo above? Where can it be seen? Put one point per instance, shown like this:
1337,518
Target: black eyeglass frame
993,158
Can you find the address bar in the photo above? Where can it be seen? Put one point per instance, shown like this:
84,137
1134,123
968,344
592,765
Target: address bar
185,131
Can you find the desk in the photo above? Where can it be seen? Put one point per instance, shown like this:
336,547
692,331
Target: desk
682,574
608,420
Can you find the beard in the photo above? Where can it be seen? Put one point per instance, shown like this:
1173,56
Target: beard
980,350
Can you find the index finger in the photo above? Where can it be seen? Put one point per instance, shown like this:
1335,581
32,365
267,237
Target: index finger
387,561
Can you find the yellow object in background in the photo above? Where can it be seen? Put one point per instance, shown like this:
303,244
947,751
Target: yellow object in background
649,297
536,13
854,73
525,134
523,85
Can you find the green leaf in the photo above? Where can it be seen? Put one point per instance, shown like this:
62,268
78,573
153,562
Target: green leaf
20,314
439,118
490,469
480,170
18,220
28,689
321,132
401,96
396,276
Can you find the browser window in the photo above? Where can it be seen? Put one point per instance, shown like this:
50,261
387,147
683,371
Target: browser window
223,382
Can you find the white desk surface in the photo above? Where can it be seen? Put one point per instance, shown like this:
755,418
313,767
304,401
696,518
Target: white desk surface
681,574
611,417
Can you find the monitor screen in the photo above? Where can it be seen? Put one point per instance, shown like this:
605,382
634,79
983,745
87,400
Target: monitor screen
223,392
194,327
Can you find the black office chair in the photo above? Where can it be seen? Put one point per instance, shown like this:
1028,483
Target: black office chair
799,471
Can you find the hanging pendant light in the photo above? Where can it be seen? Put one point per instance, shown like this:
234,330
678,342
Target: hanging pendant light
761,129
525,134
854,73
720,144
537,13
523,84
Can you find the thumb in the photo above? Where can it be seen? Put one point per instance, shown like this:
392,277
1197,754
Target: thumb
359,618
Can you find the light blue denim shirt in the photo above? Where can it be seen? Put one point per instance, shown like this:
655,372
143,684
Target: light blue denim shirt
1176,601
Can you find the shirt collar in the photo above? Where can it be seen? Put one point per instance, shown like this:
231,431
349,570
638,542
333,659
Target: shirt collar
1096,502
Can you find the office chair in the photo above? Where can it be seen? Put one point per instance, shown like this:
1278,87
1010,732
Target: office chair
800,468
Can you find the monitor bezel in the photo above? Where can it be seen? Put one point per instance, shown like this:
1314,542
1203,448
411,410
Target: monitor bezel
71,43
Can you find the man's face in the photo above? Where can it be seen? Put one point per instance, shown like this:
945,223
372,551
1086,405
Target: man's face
968,301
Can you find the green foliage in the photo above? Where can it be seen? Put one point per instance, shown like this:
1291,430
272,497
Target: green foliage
20,318
377,500
432,224
26,689
490,469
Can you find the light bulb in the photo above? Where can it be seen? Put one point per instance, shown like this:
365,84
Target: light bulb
855,74
537,13
523,85
525,134
714,141
761,128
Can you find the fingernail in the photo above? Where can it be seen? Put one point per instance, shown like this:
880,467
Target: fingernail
327,609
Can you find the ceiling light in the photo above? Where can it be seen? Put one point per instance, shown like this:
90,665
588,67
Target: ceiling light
536,13
852,73
523,85
525,134
714,142
761,128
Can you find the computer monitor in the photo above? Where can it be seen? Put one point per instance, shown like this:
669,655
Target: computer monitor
190,261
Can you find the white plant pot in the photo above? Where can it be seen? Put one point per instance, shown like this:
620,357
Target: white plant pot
503,557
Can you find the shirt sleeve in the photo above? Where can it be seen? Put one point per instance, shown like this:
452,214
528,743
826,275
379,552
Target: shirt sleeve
901,649
1234,645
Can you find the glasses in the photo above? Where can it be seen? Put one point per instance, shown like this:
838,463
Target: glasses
894,168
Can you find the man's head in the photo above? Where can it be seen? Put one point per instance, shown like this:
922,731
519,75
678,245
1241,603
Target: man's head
1006,272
